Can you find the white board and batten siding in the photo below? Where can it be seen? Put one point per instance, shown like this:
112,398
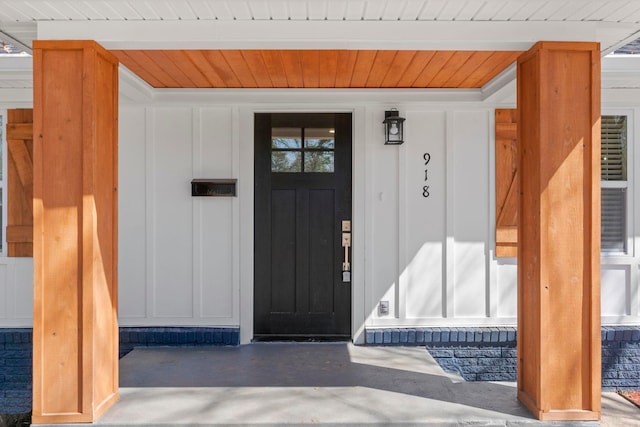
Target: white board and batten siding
188,261
178,262
427,251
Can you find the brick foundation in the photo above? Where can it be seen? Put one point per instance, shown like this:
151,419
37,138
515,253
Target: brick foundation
621,357
15,371
176,337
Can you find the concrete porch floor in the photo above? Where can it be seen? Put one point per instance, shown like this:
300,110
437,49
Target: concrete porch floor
270,384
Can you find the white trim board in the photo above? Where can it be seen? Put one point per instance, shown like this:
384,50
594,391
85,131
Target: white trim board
406,35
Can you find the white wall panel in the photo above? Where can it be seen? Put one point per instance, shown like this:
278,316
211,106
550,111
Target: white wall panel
215,258
615,290
243,264
215,148
16,292
470,281
423,208
383,176
173,281
132,293
22,279
213,216
507,290
5,293
471,208
176,251
634,291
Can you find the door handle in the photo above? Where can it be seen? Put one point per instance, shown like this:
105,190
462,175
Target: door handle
346,244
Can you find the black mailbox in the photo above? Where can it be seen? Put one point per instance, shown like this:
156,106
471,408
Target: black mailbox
213,187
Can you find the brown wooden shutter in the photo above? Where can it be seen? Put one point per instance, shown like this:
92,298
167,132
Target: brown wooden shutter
20,183
506,183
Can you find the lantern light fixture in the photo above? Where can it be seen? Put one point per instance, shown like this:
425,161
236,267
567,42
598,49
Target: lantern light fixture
393,127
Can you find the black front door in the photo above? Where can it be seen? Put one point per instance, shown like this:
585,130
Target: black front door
302,196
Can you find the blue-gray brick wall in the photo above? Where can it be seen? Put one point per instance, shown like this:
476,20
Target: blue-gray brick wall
489,354
15,371
479,354
621,357
176,337
16,355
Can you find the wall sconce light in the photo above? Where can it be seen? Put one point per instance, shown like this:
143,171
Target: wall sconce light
393,127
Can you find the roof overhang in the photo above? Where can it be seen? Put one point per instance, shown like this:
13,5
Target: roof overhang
155,50
243,26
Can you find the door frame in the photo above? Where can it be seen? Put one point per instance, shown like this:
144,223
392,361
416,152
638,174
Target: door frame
245,131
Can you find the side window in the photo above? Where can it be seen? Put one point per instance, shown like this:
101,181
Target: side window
613,165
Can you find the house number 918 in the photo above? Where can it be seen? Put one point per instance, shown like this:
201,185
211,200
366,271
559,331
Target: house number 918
425,189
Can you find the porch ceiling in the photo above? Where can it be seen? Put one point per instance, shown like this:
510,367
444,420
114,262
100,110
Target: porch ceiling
358,43
316,68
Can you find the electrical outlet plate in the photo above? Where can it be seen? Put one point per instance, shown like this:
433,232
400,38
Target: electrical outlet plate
383,308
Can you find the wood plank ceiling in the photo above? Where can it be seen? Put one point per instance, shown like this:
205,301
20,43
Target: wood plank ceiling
315,68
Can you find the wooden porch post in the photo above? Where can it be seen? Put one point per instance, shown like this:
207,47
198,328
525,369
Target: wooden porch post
75,331
559,231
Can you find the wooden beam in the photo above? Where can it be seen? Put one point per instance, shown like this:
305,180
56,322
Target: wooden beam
75,331
559,231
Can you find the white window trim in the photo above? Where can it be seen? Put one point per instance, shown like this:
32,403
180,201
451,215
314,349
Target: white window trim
628,184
